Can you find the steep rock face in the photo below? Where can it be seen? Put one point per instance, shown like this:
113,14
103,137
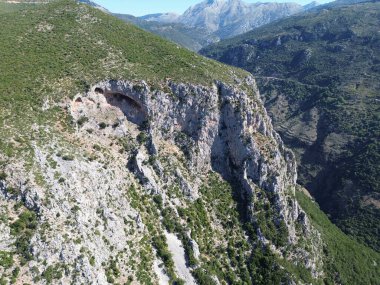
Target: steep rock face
89,224
91,194
221,129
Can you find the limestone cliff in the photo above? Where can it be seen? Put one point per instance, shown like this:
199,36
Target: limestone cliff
94,190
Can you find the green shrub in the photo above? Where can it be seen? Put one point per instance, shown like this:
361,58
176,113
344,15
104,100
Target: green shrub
112,271
159,243
15,274
68,157
92,261
6,259
102,125
52,273
96,147
82,120
142,137
178,282
202,277
75,209
138,88
3,176
23,229
158,200
12,190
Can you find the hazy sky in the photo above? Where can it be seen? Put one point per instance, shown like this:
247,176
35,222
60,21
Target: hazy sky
143,7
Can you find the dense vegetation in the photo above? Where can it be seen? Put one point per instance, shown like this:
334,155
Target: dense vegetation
23,229
347,262
326,60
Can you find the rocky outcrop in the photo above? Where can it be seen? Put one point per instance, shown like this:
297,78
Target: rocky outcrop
129,135
222,129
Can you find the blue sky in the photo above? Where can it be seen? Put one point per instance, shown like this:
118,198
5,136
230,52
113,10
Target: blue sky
143,7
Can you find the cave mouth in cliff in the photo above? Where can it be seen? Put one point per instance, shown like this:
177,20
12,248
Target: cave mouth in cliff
131,109
99,90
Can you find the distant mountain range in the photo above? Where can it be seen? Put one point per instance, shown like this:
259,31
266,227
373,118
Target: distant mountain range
161,17
228,18
192,38
216,19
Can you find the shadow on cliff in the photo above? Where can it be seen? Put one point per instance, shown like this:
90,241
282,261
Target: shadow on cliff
222,163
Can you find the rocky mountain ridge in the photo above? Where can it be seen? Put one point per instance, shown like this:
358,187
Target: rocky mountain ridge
216,20
161,17
229,18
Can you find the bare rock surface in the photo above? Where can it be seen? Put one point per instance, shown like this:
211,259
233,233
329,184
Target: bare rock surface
179,258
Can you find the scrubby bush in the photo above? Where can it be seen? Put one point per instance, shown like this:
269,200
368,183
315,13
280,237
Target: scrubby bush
159,243
142,137
3,176
112,271
23,229
6,259
82,120
68,157
102,125
202,277
51,273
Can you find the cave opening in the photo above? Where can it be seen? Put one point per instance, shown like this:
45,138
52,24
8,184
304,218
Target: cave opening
99,90
131,109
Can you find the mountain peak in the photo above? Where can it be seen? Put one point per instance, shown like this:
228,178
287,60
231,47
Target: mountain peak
233,17
211,2
311,5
